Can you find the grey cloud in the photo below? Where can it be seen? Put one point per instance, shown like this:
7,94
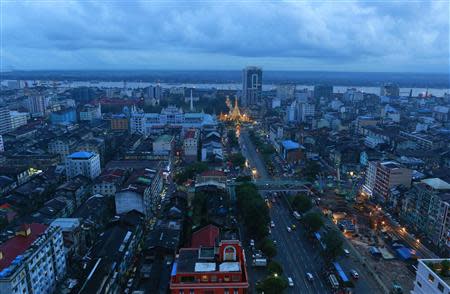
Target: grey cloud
343,32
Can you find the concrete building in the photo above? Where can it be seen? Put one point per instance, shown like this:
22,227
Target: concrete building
390,90
2,146
148,123
429,279
64,116
83,163
353,95
291,151
62,146
142,192
36,105
251,86
5,120
32,261
285,92
190,145
325,91
90,112
427,209
163,145
220,269
390,174
382,176
119,122
18,119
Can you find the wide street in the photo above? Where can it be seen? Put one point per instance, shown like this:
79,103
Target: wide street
297,254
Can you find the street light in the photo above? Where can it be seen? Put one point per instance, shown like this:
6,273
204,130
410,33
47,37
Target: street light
275,275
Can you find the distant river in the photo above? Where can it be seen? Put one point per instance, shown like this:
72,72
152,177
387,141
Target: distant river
237,86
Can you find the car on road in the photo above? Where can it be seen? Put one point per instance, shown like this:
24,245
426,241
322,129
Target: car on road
290,282
289,229
252,242
309,277
130,282
354,274
272,224
346,252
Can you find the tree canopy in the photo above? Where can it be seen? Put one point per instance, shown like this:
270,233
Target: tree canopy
313,221
301,203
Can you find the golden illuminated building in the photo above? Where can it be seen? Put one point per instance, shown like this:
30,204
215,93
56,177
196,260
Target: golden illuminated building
234,114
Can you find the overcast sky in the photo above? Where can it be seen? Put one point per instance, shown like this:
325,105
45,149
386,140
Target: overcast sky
335,35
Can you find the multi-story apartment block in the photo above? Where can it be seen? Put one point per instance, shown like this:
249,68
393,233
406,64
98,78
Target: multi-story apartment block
119,122
109,181
5,120
83,163
90,112
190,145
62,146
429,279
388,174
2,146
18,119
32,261
427,209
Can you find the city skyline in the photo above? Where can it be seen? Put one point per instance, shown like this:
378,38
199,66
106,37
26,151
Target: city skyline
352,36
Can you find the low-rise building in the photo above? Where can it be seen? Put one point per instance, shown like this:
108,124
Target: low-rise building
18,119
142,192
109,181
119,122
163,145
291,151
64,116
220,269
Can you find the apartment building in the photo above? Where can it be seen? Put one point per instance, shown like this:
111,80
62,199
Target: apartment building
32,261
83,163
190,145
427,209
429,279
382,176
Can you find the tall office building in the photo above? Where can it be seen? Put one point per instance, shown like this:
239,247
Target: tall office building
5,120
325,91
252,85
390,90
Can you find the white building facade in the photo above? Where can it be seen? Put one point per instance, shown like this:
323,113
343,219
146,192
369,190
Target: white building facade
427,280
83,163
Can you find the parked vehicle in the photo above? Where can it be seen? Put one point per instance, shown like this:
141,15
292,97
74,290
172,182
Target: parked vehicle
290,282
297,215
259,262
289,229
309,276
354,274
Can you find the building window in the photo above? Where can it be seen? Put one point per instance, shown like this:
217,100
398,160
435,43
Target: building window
205,278
440,287
213,278
430,278
191,291
226,278
181,291
235,278
226,291
235,291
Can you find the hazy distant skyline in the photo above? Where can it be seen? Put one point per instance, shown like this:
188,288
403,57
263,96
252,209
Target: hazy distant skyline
399,36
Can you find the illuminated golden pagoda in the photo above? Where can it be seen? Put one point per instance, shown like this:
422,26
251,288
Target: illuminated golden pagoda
234,114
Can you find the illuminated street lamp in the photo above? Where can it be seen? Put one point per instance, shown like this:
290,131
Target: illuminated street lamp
275,275
254,172
418,240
